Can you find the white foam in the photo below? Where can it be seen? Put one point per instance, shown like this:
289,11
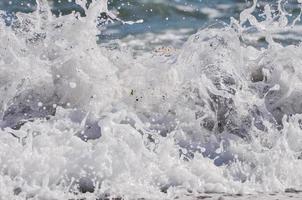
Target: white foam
205,118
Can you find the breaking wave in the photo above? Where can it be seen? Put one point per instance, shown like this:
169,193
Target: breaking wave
79,120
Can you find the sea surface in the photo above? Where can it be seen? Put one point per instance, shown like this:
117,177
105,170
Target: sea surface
150,99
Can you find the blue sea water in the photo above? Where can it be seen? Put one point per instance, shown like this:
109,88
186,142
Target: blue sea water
157,15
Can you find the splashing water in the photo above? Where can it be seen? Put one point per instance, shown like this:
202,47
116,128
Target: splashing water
83,121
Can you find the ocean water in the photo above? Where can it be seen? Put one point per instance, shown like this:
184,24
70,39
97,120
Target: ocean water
150,99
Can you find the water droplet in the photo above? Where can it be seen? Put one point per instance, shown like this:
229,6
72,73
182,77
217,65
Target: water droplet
72,85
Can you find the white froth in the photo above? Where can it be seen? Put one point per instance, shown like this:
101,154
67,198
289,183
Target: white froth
216,115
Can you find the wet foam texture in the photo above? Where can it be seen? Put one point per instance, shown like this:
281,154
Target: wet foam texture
83,121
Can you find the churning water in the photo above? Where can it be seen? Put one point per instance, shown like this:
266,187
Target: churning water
90,116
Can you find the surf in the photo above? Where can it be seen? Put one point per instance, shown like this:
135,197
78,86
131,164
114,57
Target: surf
80,120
